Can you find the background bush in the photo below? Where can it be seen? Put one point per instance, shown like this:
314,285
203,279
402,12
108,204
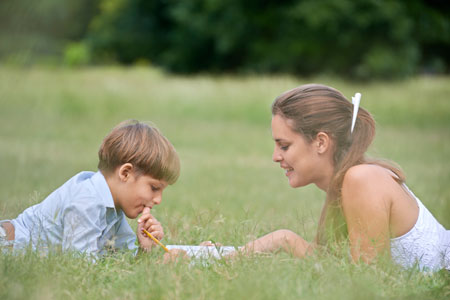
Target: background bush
355,38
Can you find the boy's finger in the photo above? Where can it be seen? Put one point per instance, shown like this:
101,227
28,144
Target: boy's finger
157,234
151,222
140,232
145,217
155,228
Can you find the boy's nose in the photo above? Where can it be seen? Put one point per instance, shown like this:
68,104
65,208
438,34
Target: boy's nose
157,199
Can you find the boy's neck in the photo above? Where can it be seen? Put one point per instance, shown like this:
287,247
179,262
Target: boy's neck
112,181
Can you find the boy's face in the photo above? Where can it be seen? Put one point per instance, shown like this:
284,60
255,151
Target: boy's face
137,192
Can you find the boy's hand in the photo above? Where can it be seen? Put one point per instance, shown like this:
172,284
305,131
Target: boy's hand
175,255
152,225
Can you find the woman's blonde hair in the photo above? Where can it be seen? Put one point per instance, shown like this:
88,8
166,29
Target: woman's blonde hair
314,108
144,147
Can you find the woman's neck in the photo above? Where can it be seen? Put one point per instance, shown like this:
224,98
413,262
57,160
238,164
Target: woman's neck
324,182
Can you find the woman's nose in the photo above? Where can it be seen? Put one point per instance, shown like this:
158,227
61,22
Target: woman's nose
276,157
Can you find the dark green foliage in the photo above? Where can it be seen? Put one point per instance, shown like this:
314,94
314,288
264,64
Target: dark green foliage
362,39
130,30
354,38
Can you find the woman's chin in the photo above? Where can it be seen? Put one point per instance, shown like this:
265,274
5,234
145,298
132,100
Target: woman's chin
295,184
292,183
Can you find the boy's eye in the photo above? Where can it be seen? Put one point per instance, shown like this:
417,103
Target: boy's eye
155,188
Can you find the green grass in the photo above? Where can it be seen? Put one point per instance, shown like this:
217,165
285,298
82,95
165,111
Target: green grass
51,125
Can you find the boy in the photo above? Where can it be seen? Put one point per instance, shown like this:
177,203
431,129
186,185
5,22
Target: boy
87,213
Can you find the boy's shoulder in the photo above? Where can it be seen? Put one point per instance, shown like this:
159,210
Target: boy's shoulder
90,186
85,188
78,185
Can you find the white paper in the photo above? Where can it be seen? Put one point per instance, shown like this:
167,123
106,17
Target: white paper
204,252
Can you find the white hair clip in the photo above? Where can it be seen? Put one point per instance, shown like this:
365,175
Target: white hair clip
355,100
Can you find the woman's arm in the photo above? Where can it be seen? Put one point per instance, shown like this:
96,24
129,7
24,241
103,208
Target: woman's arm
366,205
283,239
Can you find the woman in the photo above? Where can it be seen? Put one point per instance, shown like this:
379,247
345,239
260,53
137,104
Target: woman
321,138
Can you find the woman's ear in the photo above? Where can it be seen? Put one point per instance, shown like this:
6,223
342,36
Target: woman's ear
322,142
125,171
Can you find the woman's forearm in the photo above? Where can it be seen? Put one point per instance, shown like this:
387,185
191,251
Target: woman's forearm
283,239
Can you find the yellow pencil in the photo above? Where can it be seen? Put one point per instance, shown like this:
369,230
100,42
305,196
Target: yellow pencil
155,240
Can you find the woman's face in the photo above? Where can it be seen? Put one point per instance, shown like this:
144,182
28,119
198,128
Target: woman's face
299,158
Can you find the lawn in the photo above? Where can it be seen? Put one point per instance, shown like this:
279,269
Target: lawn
52,121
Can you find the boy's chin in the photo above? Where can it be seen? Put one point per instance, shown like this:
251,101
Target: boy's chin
131,215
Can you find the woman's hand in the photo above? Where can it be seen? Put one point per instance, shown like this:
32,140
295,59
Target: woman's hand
152,225
210,243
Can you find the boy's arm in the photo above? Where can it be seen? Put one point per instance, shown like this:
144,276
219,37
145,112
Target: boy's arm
125,236
81,228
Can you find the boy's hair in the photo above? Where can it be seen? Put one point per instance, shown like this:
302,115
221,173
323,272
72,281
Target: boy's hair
144,147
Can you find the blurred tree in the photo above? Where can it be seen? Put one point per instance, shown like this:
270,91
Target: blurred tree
43,27
432,32
356,38
129,30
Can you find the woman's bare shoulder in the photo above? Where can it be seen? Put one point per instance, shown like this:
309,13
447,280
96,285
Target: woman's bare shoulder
368,174
368,181
371,192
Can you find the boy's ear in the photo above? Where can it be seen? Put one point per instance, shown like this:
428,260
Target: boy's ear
125,171
322,142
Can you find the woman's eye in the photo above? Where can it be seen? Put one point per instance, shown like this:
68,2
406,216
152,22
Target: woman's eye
284,148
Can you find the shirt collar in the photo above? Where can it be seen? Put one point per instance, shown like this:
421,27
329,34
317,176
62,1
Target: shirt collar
102,188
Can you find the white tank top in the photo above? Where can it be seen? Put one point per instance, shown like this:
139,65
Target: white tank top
426,245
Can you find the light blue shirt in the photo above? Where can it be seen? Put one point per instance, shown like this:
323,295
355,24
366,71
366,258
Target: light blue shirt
80,215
